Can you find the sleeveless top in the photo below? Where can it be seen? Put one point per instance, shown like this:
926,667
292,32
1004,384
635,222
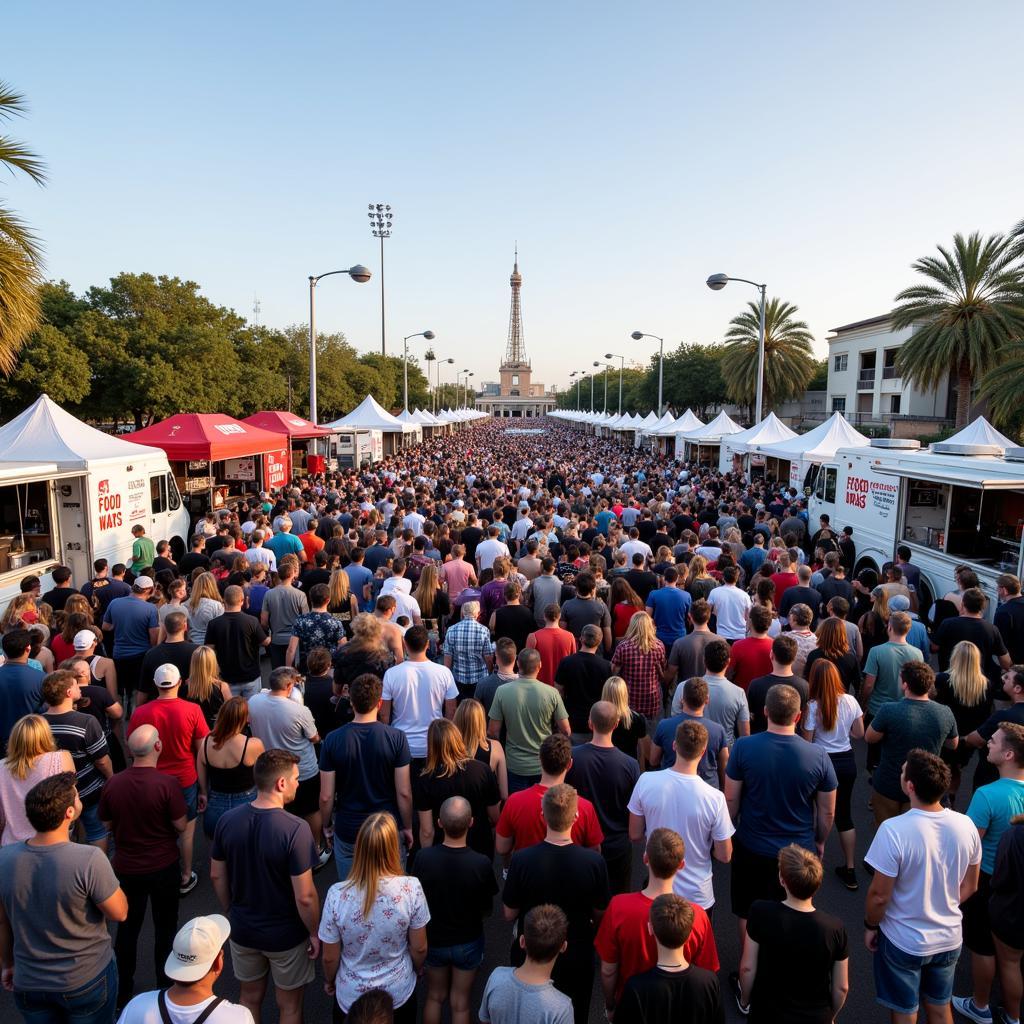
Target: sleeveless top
209,707
238,779
12,796
483,755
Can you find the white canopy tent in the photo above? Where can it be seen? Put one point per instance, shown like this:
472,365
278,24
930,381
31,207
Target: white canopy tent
738,451
811,449
702,443
980,432
370,417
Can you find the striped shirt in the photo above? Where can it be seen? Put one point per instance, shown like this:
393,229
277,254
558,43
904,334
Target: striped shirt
82,736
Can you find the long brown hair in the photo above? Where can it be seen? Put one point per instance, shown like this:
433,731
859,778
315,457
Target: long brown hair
203,674
30,738
341,591
826,688
833,641
471,720
426,591
446,751
623,593
375,857
232,718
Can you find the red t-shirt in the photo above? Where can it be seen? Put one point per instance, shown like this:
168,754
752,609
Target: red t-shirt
554,645
750,658
181,726
622,614
522,820
311,544
623,938
783,581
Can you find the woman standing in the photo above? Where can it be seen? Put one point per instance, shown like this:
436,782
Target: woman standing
205,687
225,764
451,771
374,925
964,690
834,646
32,756
203,606
874,624
640,660
177,595
435,606
833,718
624,603
630,735
471,721
699,582
365,652
342,603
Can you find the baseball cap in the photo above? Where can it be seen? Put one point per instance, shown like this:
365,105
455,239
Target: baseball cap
142,583
83,640
458,503
195,947
167,675
899,603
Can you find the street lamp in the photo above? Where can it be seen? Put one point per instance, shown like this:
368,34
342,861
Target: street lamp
578,374
358,273
622,363
639,335
596,364
437,389
429,335
716,282
380,227
468,375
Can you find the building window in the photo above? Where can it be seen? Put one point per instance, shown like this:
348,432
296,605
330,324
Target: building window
515,379
839,403
840,362
895,401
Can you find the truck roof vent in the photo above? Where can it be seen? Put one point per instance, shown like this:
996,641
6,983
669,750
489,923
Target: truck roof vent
904,444
1014,455
952,448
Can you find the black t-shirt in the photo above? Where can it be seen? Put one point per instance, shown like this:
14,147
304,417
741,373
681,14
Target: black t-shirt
515,622
478,784
848,667
628,740
162,564
95,701
800,595
471,537
58,597
642,582
570,877
352,661
658,996
459,885
582,676
1006,908
310,579
177,654
1009,620
832,587
984,636
238,639
317,696
758,691
795,957
606,777
192,561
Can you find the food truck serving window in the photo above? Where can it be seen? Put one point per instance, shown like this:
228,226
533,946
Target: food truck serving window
26,525
985,526
825,490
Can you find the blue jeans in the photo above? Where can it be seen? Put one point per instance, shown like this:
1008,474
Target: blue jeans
467,956
902,978
517,783
92,1003
94,829
218,804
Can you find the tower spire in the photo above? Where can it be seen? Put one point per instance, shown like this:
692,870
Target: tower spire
515,350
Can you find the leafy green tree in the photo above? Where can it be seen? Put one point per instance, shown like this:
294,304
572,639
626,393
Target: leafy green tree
693,379
20,253
966,312
819,382
788,359
48,363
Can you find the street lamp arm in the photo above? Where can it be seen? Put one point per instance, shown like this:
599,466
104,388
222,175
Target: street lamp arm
746,280
318,277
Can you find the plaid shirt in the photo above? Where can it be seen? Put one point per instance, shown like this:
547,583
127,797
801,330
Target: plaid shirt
641,672
467,643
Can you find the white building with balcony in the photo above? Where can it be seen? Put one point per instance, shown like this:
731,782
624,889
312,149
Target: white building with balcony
865,386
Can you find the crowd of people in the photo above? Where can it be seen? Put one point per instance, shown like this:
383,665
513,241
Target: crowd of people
510,666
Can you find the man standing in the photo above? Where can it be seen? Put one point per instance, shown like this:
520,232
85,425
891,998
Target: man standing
468,651
504,672
545,590
668,606
552,643
258,554
143,551
586,610
1009,617
136,627
270,900
512,619
490,549
145,812
781,790
237,639
783,654
175,650
970,625
316,628
457,572
727,703
730,605
282,723
882,669
282,605
802,593
662,751
285,542
55,900
580,678
926,864
21,686
62,589
686,659
752,656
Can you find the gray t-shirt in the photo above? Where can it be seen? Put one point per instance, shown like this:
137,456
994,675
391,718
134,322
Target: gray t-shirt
507,1000
585,611
51,896
687,655
287,725
544,590
283,606
727,705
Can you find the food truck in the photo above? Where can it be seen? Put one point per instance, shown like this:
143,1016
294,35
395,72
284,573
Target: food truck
70,494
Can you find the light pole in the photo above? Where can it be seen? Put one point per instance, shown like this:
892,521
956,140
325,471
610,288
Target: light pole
716,282
622,363
437,389
468,375
380,227
605,375
358,273
429,335
639,335
578,374
596,363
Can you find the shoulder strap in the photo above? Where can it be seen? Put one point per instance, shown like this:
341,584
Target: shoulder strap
161,1002
209,1010
245,747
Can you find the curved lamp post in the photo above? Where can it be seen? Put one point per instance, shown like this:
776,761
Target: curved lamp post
437,389
622,363
429,335
638,336
716,282
578,374
360,275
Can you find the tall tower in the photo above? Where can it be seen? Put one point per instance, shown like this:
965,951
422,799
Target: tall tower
515,368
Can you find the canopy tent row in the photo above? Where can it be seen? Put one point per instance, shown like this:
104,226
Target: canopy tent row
738,452
798,457
702,443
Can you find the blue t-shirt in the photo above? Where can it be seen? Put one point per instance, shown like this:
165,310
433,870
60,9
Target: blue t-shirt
132,620
670,606
751,560
991,809
358,577
21,693
604,518
665,737
285,544
781,776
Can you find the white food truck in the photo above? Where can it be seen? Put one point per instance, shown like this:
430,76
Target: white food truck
70,494
952,504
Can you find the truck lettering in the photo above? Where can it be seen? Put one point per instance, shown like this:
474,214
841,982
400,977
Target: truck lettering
109,507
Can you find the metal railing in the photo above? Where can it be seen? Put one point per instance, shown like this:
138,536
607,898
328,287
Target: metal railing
890,373
866,377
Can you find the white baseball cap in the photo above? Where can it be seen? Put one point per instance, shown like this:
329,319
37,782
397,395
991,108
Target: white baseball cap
196,946
167,676
84,639
143,583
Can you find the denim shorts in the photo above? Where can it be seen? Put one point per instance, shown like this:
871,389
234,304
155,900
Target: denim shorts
191,795
94,829
217,804
901,978
465,957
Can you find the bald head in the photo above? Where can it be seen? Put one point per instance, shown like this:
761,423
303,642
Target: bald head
142,742
604,717
456,816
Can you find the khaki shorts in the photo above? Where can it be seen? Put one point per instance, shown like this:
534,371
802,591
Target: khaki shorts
290,968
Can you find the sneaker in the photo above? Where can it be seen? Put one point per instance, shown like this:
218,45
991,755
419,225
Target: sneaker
964,1005
325,855
186,887
734,984
848,877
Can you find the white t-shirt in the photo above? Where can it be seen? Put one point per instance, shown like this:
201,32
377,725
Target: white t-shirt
928,853
731,606
375,949
413,521
698,812
417,691
488,550
144,1009
838,739
632,547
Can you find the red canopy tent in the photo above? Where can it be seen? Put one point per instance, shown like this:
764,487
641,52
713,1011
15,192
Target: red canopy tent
296,429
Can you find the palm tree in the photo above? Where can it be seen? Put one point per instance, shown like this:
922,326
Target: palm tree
20,254
968,311
788,358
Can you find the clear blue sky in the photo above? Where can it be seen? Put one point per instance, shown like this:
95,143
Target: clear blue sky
631,149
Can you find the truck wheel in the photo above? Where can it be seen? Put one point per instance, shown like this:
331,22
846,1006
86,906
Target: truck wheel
866,563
